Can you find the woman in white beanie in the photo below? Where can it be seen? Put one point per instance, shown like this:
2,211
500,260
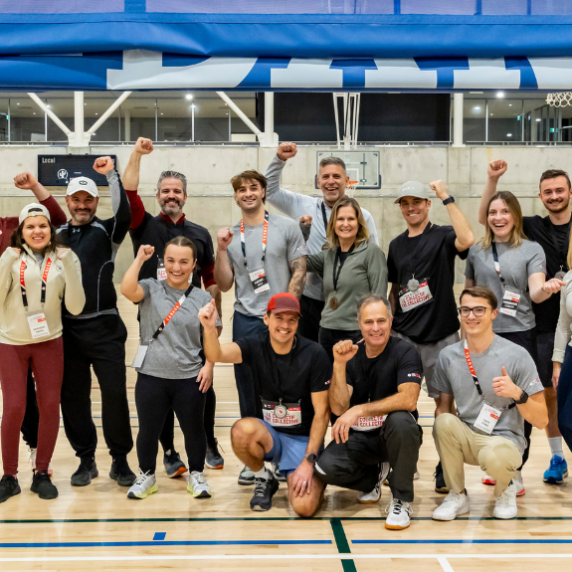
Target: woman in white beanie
34,276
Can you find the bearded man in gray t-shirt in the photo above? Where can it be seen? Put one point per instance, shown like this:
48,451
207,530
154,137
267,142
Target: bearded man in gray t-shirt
495,385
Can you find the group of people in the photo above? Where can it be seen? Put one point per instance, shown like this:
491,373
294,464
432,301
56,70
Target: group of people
317,339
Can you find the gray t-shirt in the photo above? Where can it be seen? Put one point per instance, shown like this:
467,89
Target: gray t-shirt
516,265
452,376
284,244
175,353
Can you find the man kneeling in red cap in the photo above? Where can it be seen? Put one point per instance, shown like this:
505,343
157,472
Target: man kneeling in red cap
292,376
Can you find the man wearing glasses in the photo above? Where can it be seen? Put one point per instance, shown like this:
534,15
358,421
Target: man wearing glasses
495,385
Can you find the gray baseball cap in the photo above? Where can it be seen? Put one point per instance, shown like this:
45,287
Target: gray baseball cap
413,189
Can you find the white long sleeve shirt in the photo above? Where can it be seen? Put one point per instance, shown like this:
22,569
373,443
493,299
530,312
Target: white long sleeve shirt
563,329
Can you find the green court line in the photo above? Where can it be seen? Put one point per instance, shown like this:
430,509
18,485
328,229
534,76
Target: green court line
342,544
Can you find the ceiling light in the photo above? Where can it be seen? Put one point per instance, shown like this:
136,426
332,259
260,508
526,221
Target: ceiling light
193,106
500,94
476,109
17,104
492,114
509,134
538,120
510,104
49,106
189,96
96,112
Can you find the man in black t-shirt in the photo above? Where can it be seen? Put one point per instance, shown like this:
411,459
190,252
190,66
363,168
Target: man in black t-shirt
421,268
553,234
375,387
292,376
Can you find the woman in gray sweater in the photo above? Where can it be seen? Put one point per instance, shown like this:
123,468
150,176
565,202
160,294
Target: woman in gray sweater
350,267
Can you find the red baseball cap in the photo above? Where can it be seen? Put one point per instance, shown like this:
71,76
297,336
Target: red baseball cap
283,302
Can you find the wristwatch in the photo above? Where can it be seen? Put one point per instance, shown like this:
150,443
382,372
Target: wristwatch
449,200
311,458
523,398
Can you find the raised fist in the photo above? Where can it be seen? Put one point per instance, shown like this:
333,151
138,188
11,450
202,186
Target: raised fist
25,181
207,315
145,252
344,351
306,219
440,189
224,238
103,165
144,146
286,151
497,169
62,252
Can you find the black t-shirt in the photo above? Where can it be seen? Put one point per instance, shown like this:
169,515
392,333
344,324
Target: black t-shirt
437,318
538,229
305,370
374,379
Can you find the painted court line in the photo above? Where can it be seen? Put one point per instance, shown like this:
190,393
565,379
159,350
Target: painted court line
467,541
445,564
159,542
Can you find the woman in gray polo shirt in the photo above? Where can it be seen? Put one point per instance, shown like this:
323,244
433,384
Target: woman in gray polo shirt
514,268
350,267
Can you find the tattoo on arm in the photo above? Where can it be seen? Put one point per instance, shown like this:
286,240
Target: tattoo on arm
298,280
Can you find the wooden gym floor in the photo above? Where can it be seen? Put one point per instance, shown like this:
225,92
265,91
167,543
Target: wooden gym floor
99,528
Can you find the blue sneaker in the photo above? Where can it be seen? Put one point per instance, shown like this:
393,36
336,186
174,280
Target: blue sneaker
557,471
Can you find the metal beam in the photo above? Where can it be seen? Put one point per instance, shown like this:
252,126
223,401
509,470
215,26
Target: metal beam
51,114
239,112
109,111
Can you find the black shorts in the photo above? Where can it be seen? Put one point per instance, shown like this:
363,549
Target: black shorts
544,348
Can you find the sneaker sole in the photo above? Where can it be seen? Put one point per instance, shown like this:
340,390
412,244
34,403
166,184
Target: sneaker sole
180,471
148,492
215,468
521,493
504,517
201,495
396,526
452,518
369,501
17,491
44,497
488,483
245,482
442,491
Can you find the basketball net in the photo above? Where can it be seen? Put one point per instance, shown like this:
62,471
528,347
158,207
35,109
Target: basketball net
559,99
351,188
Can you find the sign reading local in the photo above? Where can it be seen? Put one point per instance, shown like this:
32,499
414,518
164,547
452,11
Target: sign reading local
58,170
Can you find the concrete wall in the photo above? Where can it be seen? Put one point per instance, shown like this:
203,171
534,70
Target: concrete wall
209,170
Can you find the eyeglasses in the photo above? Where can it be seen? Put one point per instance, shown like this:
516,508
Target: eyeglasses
478,311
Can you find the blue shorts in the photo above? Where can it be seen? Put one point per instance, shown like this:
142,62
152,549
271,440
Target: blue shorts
287,450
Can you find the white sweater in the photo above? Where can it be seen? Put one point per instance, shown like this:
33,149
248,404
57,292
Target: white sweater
64,277
563,330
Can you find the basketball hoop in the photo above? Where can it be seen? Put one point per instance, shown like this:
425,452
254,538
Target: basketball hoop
351,188
559,99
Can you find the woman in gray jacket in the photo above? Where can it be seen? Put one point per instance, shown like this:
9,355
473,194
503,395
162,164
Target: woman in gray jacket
350,267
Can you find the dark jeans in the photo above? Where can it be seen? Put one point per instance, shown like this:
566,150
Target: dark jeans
32,416
355,464
97,342
309,324
154,398
329,338
527,340
243,326
564,398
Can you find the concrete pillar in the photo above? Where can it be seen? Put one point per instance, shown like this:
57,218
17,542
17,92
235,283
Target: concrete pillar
268,138
127,119
458,120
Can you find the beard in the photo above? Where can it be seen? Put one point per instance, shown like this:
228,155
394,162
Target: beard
171,206
83,216
557,206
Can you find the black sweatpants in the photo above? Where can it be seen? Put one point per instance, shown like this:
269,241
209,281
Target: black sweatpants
355,464
32,416
99,342
309,324
167,437
154,398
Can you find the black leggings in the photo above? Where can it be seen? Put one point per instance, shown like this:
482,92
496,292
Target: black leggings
154,398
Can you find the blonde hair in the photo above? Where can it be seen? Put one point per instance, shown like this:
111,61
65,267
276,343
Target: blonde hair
362,233
517,233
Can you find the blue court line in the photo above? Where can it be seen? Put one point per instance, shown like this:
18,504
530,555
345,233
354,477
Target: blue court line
159,543
159,536
478,541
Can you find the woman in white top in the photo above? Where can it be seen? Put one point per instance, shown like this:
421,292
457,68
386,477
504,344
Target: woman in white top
34,276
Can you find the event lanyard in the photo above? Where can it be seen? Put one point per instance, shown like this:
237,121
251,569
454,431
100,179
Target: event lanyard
476,379
264,239
337,258
562,254
325,218
496,259
172,312
23,267
417,252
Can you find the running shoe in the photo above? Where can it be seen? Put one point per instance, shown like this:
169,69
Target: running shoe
9,487
488,480
280,475
263,492
33,453
144,485
440,484
518,483
121,472
398,515
246,476
174,467
374,495
198,485
86,471
213,459
42,484
557,472
453,506
505,505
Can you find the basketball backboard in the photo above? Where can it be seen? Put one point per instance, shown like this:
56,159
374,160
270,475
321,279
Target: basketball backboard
361,166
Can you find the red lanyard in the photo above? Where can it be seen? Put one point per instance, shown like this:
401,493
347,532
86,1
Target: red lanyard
264,239
172,312
472,369
23,267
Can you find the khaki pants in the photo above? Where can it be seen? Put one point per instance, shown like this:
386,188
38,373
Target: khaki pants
457,444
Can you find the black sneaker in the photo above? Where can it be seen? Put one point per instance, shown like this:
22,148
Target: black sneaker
440,485
264,490
121,472
214,459
174,467
9,487
42,484
86,471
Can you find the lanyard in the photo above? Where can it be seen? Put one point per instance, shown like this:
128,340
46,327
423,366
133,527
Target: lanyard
417,252
23,267
324,217
172,312
338,258
562,255
496,259
264,239
476,379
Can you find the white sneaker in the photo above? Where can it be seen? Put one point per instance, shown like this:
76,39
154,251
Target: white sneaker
374,495
488,480
453,506
518,483
505,506
398,513
198,485
416,476
144,485
33,453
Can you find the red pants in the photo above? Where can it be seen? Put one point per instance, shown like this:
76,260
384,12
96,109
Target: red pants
47,362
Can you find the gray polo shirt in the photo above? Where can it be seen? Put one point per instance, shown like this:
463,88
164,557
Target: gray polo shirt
452,376
516,266
284,244
296,205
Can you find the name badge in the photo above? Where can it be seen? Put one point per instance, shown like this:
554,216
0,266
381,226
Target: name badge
368,423
487,419
408,299
38,325
139,356
259,281
161,272
510,300
281,414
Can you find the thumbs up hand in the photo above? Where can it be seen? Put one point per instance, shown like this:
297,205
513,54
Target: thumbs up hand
504,386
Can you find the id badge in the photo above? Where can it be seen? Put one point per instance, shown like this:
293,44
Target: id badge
38,325
510,300
139,356
281,414
368,423
259,281
409,300
161,272
487,419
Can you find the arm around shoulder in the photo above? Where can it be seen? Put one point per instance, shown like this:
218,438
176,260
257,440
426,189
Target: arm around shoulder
75,294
